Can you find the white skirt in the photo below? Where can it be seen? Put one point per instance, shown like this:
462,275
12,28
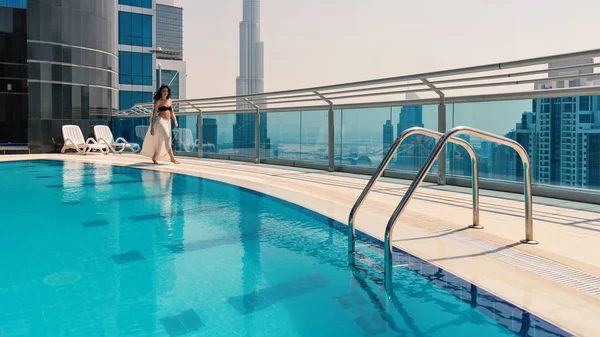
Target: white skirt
159,145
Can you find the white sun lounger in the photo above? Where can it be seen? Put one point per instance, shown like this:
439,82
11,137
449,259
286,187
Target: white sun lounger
185,140
74,140
105,136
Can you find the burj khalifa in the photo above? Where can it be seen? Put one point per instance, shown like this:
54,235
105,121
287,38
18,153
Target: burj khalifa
250,80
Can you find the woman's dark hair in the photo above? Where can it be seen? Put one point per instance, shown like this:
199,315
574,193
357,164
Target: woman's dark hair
158,93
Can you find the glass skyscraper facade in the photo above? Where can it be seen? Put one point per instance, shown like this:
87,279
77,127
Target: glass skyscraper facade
13,72
415,149
136,39
59,66
169,30
171,68
19,4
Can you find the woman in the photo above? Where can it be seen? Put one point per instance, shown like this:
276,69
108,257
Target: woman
157,144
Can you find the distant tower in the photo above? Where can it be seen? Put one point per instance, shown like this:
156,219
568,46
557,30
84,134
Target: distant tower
388,136
250,81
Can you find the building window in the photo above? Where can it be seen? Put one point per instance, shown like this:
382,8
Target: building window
568,108
586,119
128,98
135,68
135,29
171,77
584,103
22,4
137,3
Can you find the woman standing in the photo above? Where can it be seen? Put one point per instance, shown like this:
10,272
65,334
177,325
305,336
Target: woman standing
157,143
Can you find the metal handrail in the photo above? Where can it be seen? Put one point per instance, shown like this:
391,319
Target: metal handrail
477,98
439,146
385,162
380,87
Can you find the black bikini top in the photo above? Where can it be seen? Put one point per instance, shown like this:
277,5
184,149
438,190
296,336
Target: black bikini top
165,108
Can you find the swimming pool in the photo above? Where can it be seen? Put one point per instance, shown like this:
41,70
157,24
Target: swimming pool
96,250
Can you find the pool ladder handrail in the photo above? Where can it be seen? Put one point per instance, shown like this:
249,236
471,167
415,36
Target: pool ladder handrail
385,162
439,146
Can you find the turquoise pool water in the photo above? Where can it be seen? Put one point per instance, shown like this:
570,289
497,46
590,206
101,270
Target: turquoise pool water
91,250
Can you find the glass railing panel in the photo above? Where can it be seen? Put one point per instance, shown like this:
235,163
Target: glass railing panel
132,129
282,140
228,134
415,149
314,139
503,118
561,136
185,137
362,137
210,134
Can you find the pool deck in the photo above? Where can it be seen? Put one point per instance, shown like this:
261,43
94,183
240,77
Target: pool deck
558,280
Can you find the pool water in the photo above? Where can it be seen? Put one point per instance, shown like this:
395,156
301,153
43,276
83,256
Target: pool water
93,250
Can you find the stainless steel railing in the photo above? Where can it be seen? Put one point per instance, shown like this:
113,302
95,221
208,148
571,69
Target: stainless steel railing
384,163
372,92
448,136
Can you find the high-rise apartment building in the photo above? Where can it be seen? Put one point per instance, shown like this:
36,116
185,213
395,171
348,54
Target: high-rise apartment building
170,66
136,39
14,110
559,132
66,52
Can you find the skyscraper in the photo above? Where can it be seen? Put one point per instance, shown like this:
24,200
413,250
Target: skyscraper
58,65
137,38
210,134
171,68
388,136
459,161
250,80
415,149
559,132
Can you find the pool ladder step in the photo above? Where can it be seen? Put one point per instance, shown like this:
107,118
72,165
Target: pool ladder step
358,256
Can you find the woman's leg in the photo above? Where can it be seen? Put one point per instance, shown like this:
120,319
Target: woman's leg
173,160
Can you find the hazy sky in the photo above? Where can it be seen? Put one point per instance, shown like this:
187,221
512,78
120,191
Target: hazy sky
318,42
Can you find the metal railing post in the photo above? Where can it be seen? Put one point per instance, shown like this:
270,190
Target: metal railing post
257,136
331,139
527,182
200,134
442,157
330,133
256,131
441,128
199,129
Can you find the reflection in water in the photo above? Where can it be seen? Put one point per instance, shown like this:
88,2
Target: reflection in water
250,225
386,307
72,177
102,177
509,316
139,283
